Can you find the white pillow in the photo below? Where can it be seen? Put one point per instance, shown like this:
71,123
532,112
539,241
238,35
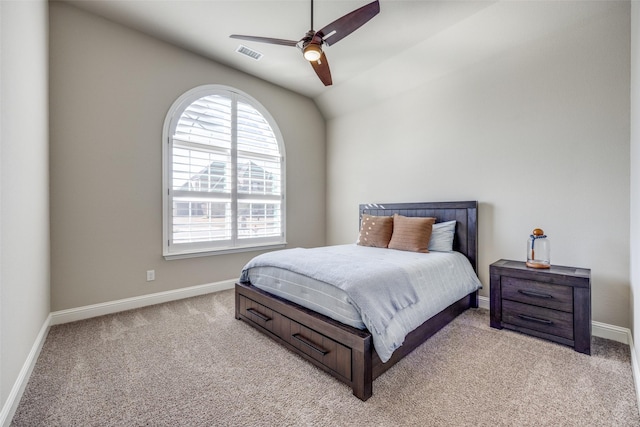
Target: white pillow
442,236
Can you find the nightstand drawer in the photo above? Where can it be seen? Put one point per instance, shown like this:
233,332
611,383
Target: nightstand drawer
540,319
537,293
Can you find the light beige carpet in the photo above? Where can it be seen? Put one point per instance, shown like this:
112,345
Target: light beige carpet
191,363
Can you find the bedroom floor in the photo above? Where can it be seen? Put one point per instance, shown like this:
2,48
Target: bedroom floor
191,363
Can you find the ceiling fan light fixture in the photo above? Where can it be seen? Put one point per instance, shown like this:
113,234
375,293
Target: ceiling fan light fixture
311,43
312,52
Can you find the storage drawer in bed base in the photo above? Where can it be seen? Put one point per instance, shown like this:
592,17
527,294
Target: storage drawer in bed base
333,347
331,354
343,351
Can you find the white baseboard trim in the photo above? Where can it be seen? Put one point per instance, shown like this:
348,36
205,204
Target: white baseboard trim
12,402
95,310
598,329
611,332
483,302
635,368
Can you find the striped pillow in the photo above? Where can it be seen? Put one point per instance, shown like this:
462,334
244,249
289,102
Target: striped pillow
411,233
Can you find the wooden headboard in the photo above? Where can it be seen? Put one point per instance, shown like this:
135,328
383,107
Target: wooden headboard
465,214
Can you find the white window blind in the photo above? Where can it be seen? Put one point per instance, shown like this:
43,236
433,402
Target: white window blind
224,168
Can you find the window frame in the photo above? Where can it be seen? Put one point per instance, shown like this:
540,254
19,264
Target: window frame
209,248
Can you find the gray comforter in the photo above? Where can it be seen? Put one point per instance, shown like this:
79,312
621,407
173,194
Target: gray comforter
378,283
393,291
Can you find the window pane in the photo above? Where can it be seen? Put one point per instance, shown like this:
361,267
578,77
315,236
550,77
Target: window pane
206,121
259,176
201,221
257,219
254,133
198,170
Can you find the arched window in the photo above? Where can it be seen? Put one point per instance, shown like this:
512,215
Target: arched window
223,174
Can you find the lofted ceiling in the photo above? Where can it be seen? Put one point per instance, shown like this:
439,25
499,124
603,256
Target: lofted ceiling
406,44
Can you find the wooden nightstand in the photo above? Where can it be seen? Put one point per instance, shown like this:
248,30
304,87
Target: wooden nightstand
553,304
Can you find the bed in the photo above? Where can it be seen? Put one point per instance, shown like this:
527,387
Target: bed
347,351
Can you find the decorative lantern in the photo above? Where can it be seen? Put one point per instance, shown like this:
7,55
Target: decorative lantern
538,249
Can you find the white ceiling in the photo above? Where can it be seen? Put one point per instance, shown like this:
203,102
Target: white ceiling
407,43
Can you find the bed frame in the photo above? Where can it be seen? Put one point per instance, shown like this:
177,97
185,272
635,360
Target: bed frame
345,352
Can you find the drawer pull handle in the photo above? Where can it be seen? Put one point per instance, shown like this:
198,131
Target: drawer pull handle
534,294
258,314
535,319
309,344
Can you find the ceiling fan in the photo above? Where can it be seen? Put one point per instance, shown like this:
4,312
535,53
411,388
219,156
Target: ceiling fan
312,42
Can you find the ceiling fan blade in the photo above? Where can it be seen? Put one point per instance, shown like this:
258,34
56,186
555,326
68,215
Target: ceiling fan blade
342,27
265,40
321,67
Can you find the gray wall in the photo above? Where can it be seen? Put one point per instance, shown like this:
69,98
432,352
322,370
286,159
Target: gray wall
24,188
111,88
538,134
635,174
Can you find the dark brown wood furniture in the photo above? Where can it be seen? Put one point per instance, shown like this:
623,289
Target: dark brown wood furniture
345,352
554,303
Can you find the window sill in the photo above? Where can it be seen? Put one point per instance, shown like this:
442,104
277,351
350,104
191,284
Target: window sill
254,248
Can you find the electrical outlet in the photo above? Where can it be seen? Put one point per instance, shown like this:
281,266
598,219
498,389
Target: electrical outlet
151,275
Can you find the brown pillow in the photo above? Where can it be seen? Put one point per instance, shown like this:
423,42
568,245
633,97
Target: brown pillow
375,231
411,233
